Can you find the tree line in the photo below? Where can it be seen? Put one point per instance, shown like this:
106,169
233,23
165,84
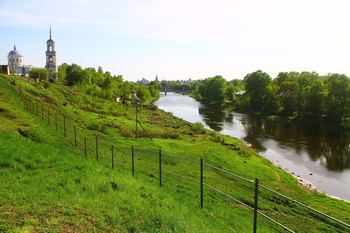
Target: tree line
98,83
305,95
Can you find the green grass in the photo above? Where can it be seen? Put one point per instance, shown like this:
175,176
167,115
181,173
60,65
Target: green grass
50,187
47,189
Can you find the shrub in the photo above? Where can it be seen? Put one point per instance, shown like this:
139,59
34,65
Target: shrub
126,131
197,128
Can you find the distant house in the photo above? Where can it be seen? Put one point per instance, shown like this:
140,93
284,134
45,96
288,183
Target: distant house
118,98
4,69
238,94
134,93
143,81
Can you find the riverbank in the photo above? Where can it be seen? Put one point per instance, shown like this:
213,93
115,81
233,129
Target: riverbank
301,148
112,123
320,121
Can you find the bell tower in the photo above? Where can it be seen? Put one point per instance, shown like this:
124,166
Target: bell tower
51,59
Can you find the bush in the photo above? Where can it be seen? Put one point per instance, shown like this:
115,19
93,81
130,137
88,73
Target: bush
197,128
126,131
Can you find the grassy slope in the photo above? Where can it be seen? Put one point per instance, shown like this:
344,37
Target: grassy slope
194,143
48,189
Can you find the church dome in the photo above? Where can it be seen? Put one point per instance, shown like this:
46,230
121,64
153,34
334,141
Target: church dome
15,52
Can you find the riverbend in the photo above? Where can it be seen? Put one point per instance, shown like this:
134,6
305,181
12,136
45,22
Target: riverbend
321,156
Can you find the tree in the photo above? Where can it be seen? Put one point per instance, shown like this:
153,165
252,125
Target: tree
143,93
73,74
316,98
256,86
153,89
62,71
212,90
272,101
39,73
288,95
286,76
338,97
230,93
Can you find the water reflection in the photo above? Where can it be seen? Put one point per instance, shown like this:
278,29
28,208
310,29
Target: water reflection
301,148
330,148
213,117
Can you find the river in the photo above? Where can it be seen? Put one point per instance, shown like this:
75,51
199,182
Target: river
315,154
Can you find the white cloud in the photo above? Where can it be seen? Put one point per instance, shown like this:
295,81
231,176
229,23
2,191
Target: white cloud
251,33
269,22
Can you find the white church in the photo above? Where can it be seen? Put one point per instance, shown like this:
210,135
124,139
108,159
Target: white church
16,62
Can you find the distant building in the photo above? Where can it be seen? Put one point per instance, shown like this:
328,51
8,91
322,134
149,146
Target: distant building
239,93
118,98
15,62
51,59
143,81
157,80
189,81
4,69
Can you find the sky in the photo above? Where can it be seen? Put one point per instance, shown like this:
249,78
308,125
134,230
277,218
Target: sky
182,39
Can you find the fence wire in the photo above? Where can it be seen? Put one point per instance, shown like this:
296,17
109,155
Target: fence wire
121,155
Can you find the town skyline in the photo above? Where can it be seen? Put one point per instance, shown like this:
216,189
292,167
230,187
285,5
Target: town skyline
182,39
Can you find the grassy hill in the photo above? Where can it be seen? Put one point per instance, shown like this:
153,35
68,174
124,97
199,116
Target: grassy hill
49,186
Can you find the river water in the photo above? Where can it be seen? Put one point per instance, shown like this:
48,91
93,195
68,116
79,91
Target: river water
318,155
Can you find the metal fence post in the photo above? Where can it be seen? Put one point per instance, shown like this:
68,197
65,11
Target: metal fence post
160,168
201,181
112,156
256,204
75,137
132,161
96,148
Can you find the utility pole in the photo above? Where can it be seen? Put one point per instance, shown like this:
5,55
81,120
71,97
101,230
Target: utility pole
136,120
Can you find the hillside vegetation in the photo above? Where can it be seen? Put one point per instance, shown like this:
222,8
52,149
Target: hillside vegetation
49,186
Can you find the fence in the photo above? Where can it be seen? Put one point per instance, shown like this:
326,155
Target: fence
97,147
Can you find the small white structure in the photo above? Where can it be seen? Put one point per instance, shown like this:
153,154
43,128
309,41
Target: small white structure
238,94
15,62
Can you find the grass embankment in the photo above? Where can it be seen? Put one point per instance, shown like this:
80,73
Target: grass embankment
53,188
46,189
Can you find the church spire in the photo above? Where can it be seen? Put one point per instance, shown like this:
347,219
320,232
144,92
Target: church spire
14,47
51,58
50,33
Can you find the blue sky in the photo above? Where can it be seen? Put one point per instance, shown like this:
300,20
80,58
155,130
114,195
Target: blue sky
181,39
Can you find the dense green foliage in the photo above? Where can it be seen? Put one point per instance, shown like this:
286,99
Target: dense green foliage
298,95
103,85
212,90
176,86
38,73
49,187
